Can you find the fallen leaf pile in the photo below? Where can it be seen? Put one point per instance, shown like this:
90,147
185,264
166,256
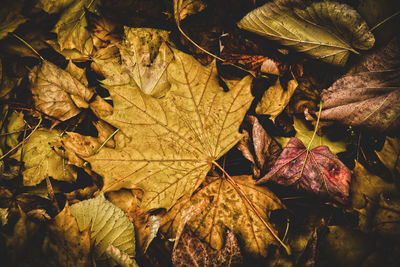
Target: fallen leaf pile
184,133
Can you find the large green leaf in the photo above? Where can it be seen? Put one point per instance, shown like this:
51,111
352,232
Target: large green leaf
109,225
324,30
166,146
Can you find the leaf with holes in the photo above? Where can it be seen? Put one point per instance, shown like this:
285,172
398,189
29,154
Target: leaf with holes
229,209
317,171
166,146
324,30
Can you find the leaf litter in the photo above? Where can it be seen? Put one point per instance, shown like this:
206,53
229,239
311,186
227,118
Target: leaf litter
126,112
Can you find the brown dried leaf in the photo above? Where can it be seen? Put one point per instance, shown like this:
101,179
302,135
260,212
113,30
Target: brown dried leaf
368,95
184,8
191,251
53,88
258,147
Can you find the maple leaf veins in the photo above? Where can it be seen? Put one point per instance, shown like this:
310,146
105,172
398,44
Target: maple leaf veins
166,146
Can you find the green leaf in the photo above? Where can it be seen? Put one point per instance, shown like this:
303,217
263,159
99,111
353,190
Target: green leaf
109,225
324,30
305,135
166,146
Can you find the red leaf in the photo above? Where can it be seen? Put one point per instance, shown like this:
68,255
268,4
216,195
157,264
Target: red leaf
320,172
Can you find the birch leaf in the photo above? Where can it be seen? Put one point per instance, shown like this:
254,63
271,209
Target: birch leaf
324,30
228,209
166,146
109,225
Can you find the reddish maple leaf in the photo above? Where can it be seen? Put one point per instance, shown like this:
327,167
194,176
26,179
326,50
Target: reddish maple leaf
318,171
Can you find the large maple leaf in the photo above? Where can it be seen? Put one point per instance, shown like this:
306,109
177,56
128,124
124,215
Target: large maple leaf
166,146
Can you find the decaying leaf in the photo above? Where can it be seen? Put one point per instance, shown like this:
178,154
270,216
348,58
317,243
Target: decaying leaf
42,159
10,16
305,134
275,99
258,147
65,244
109,225
228,209
191,251
317,171
324,30
145,58
166,146
368,95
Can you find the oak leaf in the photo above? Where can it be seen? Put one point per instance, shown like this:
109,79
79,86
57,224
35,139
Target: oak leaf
368,95
317,171
324,30
228,209
166,146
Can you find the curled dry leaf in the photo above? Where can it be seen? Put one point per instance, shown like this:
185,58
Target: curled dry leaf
317,171
42,159
258,147
166,146
275,99
65,244
324,30
368,95
228,209
191,251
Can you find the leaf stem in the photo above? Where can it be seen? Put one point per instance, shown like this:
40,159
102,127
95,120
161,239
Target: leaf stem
384,21
28,45
105,142
312,138
253,208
